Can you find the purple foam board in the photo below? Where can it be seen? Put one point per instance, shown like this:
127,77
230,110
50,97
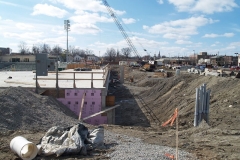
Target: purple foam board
93,94
92,104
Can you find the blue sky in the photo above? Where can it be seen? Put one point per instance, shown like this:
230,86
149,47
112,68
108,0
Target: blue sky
173,27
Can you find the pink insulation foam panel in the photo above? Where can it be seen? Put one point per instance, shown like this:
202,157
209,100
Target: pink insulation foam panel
92,104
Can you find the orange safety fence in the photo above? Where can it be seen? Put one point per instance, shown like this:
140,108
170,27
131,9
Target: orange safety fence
172,119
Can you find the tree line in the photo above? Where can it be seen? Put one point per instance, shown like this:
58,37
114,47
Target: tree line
111,54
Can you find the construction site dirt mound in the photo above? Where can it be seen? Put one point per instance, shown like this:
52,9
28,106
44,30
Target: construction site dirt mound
145,104
21,109
154,100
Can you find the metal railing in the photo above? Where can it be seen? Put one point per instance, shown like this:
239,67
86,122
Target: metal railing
104,72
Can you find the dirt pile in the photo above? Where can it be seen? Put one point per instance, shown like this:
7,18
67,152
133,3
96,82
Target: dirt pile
154,100
21,109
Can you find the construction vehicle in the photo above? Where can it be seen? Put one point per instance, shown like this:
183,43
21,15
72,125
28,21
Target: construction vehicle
148,67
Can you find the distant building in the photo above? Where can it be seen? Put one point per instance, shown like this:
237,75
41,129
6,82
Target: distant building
17,58
238,60
78,58
92,58
217,60
4,51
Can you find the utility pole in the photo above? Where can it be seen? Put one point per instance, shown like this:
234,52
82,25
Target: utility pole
194,56
67,28
237,59
57,76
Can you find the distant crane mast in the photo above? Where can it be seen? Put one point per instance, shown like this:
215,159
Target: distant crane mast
129,42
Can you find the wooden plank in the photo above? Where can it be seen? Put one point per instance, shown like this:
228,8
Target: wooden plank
95,114
81,107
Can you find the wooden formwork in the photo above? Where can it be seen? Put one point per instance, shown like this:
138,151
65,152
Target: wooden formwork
75,65
81,65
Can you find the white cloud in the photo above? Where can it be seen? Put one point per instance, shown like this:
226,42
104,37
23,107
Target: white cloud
235,45
0,17
179,29
21,36
175,36
31,33
85,29
212,35
87,14
183,42
86,17
61,41
14,4
128,20
236,29
48,10
160,1
209,7
24,26
228,34
204,6
182,5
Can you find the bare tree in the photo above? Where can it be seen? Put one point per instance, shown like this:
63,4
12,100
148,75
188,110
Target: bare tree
126,52
118,53
23,49
56,50
35,49
89,52
82,53
110,54
73,50
45,48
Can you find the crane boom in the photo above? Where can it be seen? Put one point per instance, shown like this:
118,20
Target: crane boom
129,42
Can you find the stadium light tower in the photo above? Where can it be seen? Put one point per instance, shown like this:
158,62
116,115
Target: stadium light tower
67,28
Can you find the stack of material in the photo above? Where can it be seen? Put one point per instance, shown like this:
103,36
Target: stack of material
202,105
163,74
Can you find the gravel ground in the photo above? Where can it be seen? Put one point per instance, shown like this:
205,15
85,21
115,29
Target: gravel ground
130,148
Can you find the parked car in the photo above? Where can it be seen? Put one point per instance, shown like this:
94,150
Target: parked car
235,68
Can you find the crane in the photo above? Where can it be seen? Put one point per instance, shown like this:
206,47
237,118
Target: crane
129,42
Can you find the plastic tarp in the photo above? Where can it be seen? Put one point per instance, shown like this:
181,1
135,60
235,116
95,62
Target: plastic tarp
72,140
